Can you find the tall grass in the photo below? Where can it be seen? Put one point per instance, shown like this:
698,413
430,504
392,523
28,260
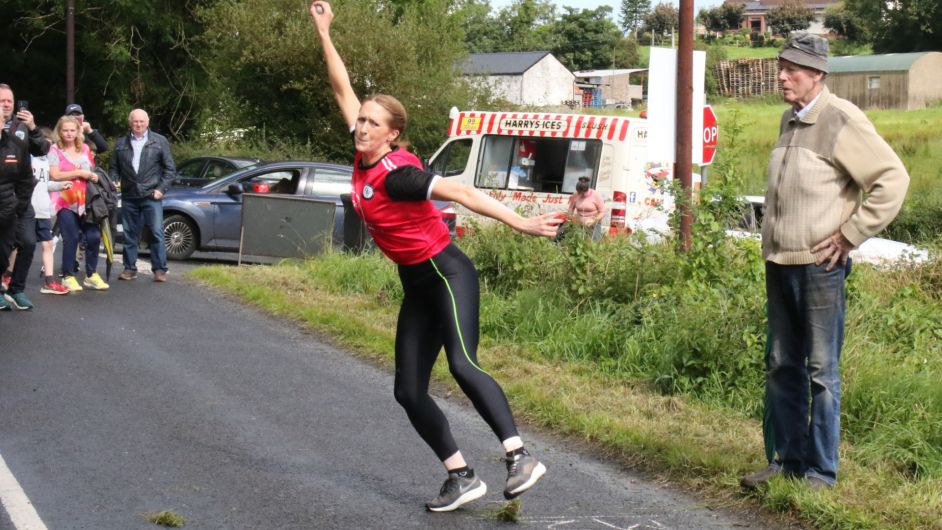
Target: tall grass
916,136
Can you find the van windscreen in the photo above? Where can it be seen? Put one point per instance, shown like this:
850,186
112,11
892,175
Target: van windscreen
549,165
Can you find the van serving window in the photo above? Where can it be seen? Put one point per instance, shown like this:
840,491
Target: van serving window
549,165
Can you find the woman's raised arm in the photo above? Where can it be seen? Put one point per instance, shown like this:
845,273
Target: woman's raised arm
336,71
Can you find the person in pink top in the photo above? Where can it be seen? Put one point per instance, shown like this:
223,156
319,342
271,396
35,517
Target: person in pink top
587,207
70,159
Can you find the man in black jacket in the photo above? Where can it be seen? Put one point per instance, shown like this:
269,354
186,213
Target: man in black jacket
144,165
16,190
21,125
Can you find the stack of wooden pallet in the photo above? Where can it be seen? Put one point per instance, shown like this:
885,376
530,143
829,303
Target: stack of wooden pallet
741,78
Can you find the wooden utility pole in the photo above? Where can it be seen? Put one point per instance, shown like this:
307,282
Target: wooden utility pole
70,52
683,165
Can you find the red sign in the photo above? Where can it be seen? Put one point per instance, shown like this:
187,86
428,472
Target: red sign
709,136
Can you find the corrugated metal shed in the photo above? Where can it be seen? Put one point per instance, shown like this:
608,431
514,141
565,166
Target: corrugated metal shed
502,63
891,62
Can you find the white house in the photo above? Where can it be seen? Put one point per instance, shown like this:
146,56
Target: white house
535,79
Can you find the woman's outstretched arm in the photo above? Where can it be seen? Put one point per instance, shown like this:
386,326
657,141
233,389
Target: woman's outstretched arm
336,71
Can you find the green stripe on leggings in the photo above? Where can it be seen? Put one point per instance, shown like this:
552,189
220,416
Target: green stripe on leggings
454,309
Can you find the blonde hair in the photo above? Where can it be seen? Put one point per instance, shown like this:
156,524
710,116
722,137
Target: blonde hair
79,137
397,113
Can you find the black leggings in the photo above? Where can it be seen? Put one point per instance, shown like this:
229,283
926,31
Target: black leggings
440,308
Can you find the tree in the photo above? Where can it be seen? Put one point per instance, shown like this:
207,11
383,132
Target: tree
788,17
633,13
732,14
483,32
712,19
131,54
586,38
663,20
900,26
626,53
526,25
841,21
268,71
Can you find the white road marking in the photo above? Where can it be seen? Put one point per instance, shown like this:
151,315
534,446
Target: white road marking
16,503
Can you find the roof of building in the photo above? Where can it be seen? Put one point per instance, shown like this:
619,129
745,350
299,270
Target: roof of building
606,73
501,63
891,62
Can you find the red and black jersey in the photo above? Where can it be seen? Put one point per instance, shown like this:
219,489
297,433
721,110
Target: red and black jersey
393,197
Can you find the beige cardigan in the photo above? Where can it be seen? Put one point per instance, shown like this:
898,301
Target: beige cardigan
819,167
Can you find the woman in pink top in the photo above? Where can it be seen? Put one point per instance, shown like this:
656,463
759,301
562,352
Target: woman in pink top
587,207
70,160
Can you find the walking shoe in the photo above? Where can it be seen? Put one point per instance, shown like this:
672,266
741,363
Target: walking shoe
53,288
522,473
760,478
71,284
816,483
4,305
18,301
95,282
127,275
160,276
460,488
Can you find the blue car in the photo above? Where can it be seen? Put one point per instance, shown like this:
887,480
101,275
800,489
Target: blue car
210,218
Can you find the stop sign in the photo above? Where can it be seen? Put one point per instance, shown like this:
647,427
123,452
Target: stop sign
709,136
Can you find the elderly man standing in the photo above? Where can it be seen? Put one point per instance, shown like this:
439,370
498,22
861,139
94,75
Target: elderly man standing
143,162
833,183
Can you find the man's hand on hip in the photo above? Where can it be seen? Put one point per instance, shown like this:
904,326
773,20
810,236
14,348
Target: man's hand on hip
833,249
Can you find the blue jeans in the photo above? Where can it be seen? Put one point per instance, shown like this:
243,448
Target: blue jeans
75,231
136,214
803,383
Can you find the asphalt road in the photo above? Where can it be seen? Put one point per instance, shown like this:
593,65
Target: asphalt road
153,397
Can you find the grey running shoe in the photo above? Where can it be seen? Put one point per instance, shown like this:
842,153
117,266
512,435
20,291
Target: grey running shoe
457,490
4,305
522,473
760,478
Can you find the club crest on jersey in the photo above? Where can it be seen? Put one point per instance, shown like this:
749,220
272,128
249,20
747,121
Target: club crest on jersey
367,192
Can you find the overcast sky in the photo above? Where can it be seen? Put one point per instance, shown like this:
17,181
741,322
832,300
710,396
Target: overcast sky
615,4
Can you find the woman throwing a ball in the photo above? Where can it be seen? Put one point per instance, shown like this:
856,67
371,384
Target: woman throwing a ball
392,194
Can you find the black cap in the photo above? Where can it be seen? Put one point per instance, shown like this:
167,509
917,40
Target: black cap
73,108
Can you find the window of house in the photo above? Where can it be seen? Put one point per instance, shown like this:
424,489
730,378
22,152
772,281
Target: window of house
873,82
550,165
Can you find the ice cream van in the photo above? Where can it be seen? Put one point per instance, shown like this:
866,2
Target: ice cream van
532,161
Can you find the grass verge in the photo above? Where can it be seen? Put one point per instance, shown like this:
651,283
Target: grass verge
703,446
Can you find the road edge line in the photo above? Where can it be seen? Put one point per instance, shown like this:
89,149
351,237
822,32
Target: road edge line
17,504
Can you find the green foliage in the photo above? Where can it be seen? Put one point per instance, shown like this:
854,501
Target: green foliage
792,15
627,53
844,22
661,22
585,39
409,48
632,14
721,18
128,54
900,26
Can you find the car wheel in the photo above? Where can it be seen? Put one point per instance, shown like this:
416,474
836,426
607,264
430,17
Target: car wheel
179,237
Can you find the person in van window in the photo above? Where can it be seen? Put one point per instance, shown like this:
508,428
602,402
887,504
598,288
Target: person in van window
587,208
392,193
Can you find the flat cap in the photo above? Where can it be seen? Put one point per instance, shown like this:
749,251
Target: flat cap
805,49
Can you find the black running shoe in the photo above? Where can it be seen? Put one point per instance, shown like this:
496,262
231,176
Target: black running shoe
522,473
456,491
